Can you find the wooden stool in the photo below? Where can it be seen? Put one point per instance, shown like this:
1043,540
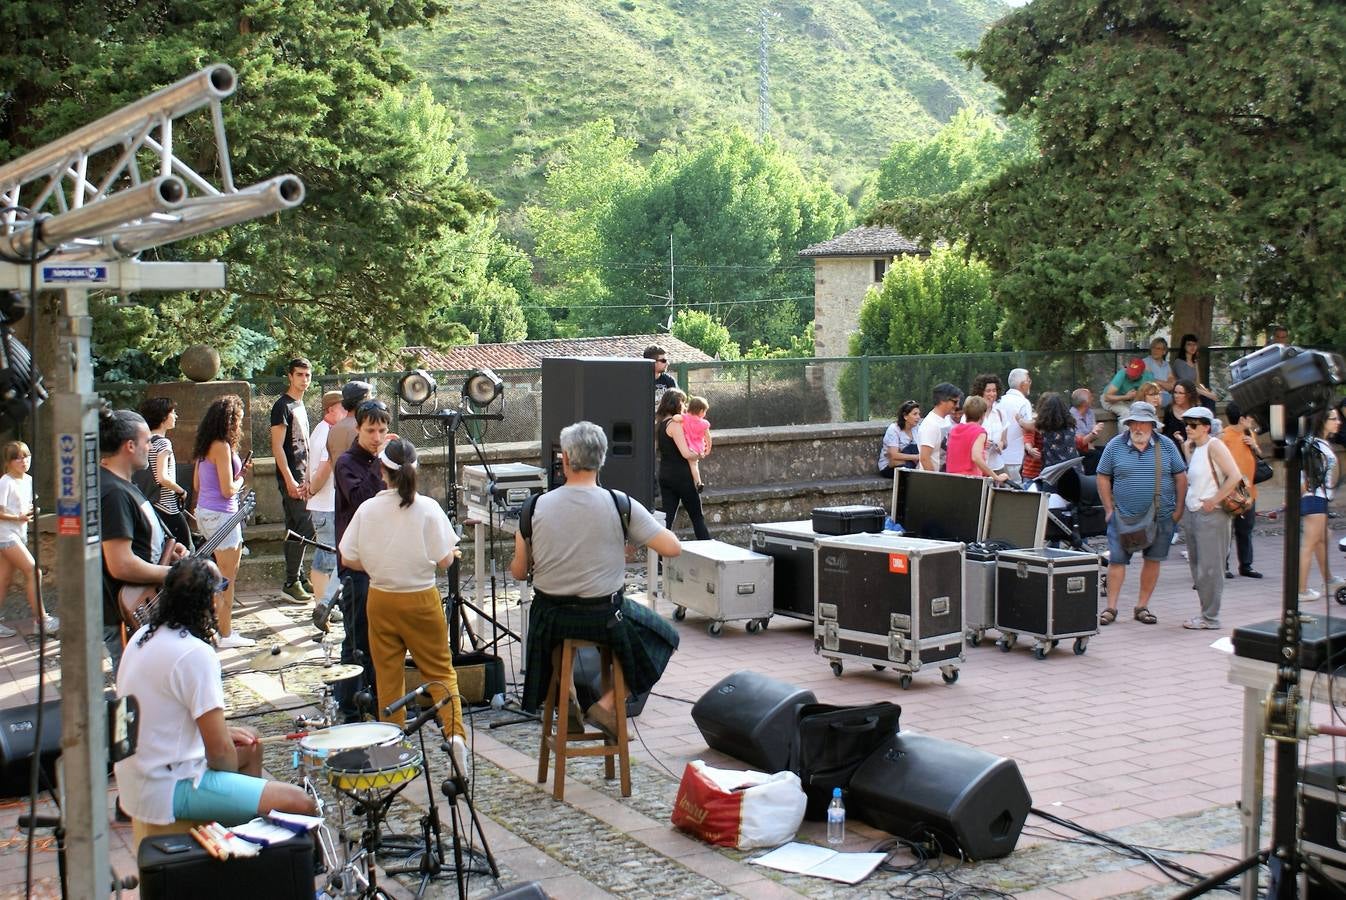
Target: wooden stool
141,830
557,706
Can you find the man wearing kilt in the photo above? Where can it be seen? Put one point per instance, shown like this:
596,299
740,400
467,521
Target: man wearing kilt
577,557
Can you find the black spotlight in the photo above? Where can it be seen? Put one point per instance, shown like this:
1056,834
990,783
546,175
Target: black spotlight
1297,379
416,387
482,388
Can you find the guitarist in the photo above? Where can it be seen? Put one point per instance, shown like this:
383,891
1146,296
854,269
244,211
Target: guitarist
136,549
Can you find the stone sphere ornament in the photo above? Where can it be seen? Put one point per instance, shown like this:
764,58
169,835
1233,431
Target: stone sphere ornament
200,362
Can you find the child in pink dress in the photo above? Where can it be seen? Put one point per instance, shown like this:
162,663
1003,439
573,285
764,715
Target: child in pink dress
696,429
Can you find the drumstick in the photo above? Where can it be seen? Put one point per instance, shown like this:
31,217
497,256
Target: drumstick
277,738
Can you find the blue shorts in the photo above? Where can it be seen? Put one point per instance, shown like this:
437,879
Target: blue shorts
324,531
1312,506
1157,551
225,797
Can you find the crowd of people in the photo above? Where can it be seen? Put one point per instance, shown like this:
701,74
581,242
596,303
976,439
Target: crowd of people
1174,471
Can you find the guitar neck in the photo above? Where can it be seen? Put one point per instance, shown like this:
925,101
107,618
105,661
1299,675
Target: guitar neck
211,544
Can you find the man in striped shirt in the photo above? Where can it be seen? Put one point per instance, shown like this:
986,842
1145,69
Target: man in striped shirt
1126,476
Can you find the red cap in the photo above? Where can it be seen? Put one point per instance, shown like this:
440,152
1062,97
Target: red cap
1135,368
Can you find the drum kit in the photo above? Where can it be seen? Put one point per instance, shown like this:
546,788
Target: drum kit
370,764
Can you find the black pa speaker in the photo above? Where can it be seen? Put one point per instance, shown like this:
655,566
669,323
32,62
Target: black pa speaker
282,871
18,728
970,800
752,718
617,395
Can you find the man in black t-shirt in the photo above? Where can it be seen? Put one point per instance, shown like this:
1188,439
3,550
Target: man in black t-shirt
132,536
662,380
289,448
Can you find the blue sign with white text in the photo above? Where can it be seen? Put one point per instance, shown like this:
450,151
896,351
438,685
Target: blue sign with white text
69,274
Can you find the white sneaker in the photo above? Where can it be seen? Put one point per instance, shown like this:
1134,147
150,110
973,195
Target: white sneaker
52,624
458,747
6,631
1309,596
234,641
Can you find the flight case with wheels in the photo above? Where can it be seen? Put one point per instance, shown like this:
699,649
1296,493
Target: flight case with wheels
791,545
892,602
978,592
721,581
1047,594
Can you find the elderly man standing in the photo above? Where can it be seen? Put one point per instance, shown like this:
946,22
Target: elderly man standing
1017,412
577,559
1127,488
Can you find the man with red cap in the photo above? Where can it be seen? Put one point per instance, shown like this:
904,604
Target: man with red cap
1122,391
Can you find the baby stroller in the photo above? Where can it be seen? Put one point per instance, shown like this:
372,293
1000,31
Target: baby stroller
1074,511
1341,591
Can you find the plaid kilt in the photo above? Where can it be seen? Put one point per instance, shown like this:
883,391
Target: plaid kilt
642,641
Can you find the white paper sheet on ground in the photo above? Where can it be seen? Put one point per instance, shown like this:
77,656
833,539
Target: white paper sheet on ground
810,859
1224,645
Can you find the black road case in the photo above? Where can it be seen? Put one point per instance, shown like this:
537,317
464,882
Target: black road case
1322,790
979,575
281,871
1319,647
791,545
890,601
1046,594
854,519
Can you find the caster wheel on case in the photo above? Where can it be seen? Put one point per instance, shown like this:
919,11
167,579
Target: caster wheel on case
679,613
974,639
1040,653
1341,595
1004,645
836,668
714,629
1081,645
904,682
1055,644
950,676
754,626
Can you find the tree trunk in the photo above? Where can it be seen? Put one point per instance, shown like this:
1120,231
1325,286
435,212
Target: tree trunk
1193,309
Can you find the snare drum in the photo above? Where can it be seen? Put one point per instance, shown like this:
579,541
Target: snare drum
318,747
371,770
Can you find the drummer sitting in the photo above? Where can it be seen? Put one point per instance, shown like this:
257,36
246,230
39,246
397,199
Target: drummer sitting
188,763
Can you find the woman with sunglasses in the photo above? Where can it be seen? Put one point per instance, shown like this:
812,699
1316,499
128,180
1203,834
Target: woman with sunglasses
1212,475
190,763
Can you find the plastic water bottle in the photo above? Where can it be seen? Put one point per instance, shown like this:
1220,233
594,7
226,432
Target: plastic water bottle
836,819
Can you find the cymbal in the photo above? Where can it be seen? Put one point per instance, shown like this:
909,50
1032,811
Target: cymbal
340,673
277,658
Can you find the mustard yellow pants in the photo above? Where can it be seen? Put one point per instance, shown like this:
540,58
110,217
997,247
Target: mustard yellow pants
413,621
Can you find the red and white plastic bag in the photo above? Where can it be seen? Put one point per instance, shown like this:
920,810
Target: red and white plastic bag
739,809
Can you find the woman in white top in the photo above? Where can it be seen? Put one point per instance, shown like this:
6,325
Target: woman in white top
16,511
987,387
899,449
1320,476
400,537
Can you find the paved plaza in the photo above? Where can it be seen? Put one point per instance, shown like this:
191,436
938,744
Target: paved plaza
1139,738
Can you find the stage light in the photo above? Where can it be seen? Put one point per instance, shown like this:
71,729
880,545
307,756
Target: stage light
1294,378
416,387
482,388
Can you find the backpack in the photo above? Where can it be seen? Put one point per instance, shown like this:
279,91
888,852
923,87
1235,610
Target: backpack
619,500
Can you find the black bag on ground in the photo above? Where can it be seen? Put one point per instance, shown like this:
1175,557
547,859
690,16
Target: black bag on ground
832,743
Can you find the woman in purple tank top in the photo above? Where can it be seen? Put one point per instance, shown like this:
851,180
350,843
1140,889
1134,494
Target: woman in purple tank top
217,477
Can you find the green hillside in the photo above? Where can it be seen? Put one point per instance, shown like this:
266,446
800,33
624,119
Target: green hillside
848,77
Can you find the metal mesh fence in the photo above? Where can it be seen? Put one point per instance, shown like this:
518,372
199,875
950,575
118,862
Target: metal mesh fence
741,393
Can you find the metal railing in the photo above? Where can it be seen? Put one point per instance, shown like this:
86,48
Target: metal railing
741,393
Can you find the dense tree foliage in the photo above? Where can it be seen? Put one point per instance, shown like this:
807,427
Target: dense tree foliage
393,244
968,150
704,332
723,217
1190,159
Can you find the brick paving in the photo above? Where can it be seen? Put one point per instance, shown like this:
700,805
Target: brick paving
1140,738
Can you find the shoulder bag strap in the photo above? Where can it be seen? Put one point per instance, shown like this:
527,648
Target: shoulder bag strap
1158,470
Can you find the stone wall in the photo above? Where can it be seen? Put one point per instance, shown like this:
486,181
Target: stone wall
839,287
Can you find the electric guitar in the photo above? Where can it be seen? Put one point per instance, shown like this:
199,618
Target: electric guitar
137,602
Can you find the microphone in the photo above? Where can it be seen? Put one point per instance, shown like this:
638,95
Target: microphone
427,715
400,702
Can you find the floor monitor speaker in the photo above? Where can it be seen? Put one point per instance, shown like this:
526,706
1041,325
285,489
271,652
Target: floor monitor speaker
971,801
618,396
18,728
752,718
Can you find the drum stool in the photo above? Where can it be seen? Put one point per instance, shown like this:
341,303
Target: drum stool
556,707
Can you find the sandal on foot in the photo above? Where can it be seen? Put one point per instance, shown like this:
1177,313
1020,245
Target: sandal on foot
1107,617
1144,615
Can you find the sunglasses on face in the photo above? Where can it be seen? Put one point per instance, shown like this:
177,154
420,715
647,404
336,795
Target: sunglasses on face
1190,422
372,404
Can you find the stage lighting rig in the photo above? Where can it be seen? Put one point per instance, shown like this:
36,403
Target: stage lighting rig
416,387
482,388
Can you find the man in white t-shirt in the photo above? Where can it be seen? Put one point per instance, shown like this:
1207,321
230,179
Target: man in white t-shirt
322,499
1018,415
189,763
935,427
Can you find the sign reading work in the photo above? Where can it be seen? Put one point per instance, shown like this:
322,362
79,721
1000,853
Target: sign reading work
77,511
71,274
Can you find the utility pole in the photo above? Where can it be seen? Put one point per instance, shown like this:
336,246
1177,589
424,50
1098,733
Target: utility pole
667,298
764,17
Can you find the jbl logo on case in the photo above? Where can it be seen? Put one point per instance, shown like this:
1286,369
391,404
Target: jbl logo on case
897,563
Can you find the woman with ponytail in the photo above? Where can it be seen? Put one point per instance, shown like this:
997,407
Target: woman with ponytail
399,538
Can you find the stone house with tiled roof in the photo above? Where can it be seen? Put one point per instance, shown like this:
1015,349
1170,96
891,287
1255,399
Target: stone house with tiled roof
529,354
844,270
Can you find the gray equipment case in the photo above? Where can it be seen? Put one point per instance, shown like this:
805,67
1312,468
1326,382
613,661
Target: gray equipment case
792,546
892,602
721,581
1048,595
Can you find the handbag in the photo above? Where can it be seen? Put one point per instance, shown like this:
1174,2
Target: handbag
1262,471
832,742
1240,499
1143,529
